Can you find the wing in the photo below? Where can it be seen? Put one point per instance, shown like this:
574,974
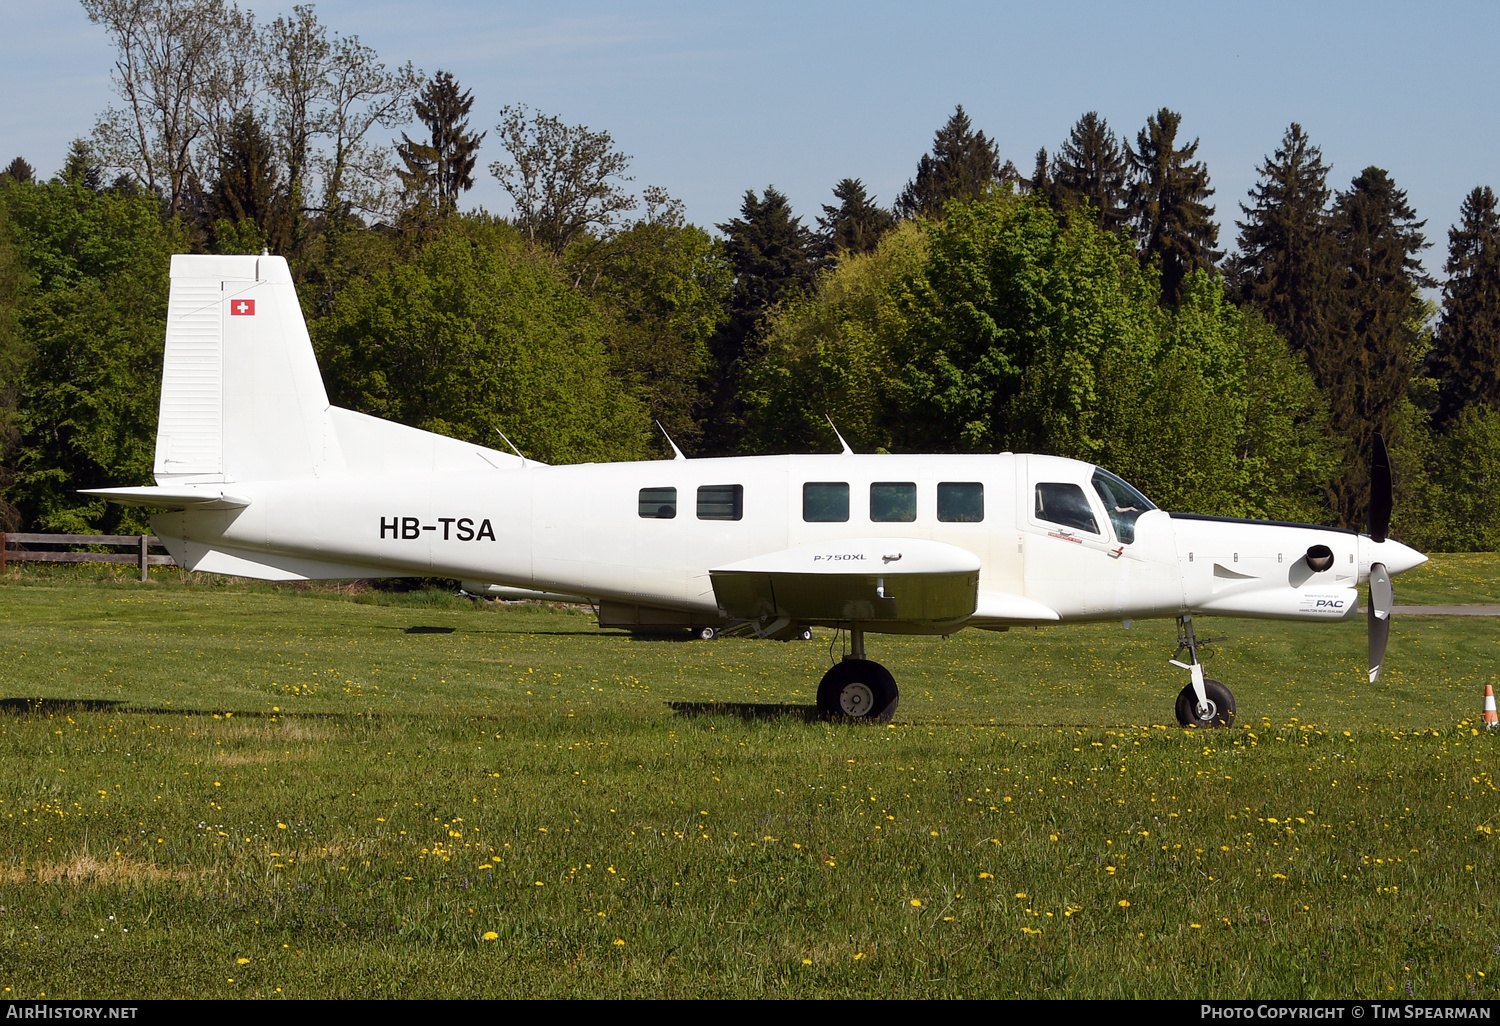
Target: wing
866,580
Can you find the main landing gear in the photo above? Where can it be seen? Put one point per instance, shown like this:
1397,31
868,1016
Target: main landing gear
857,688
1205,702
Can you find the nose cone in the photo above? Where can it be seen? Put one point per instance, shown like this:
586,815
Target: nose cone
1397,558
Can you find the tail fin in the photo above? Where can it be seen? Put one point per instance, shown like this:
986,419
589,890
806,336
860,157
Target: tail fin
241,395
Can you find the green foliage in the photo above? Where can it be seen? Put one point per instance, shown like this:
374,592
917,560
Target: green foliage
1006,326
1089,169
962,165
833,353
1468,350
92,323
664,289
1167,203
478,334
857,223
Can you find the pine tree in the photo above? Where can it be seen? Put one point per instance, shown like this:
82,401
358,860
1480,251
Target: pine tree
248,186
1090,168
1286,263
1467,355
857,223
961,166
82,168
771,255
19,171
1172,222
443,167
1364,363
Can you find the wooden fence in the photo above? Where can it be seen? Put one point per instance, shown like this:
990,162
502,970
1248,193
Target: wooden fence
140,542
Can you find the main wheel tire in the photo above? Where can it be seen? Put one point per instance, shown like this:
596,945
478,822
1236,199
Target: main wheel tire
805,634
858,689
706,633
1220,706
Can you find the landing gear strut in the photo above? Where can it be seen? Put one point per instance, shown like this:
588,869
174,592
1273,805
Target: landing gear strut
1205,702
857,688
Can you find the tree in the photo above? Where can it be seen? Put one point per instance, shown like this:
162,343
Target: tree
857,223
1467,356
1364,364
480,333
1172,223
1286,262
664,287
91,321
962,164
564,181
1090,168
165,52
81,166
443,167
772,255
19,171
247,192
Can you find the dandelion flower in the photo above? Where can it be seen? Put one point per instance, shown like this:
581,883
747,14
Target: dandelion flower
916,903
1124,903
807,961
619,943
490,935
986,876
241,961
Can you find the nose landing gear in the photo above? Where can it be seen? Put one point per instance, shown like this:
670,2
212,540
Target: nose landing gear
1205,702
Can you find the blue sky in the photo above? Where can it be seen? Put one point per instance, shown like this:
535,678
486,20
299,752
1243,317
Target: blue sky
711,100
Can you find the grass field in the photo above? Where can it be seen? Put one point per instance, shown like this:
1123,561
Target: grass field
221,789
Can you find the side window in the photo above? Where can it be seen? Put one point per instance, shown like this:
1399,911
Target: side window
658,503
893,502
721,502
960,502
1065,504
825,502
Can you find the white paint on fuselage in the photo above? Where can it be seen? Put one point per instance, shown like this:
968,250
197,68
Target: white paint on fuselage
577,530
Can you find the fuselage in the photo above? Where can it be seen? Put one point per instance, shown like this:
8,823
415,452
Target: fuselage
1052,543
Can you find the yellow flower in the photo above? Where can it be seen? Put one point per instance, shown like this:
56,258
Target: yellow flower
986,876
1194,926
490,935
916,903
1124,903
807,961
241,961
1020,894
619,943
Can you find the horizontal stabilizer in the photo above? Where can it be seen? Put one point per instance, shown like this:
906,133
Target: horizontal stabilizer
180,497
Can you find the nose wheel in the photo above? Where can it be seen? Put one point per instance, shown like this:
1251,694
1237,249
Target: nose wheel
1205,702
1217,709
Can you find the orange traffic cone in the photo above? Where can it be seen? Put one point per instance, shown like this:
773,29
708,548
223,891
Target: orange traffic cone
1491,720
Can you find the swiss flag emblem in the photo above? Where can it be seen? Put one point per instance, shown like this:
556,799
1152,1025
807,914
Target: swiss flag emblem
242,307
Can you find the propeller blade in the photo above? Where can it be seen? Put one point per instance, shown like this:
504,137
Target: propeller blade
1382,599
1380,491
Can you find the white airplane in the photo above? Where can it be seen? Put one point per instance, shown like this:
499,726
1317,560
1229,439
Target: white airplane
260,477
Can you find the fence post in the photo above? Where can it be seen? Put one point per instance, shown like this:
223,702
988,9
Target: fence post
143,557
2,552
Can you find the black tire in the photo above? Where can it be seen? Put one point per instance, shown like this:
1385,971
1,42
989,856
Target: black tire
706,633
805,634
858,689
1220,705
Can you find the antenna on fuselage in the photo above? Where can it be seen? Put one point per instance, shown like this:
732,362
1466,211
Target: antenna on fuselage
676,452
511,444
847,451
